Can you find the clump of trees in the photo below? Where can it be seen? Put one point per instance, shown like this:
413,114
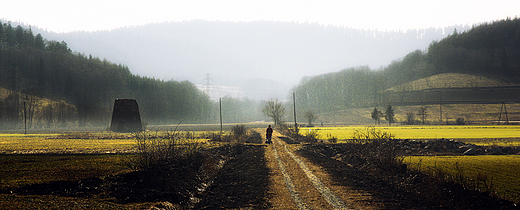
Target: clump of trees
389,115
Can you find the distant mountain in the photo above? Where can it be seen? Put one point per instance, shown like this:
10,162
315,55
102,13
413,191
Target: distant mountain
264,59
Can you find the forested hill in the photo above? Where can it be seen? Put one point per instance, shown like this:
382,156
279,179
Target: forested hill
32,68
490,50
262,58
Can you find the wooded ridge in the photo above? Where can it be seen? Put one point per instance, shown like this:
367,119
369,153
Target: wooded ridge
486,51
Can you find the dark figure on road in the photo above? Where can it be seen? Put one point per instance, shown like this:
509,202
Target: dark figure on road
268,135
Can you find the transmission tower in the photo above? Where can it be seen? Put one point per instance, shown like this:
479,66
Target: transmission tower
207,83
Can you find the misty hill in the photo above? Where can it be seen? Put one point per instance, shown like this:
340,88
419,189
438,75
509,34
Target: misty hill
33,68
451,80
264,59
486,56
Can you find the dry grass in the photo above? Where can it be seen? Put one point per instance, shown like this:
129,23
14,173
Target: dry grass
494,173
21,170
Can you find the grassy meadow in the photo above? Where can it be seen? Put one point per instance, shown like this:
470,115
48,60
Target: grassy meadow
499,174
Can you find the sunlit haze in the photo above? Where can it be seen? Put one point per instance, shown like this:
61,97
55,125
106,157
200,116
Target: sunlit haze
246,58
66,15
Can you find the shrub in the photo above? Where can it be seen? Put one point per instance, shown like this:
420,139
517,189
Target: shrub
460,121
371,133
156,150
311,135
239,132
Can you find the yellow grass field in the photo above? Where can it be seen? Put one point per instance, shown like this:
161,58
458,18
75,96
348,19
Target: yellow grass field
52,143
429,132
501,173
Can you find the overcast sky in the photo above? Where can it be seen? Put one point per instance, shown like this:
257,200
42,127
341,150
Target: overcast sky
92,15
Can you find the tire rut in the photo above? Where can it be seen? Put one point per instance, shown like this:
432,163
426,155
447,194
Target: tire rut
320,196
288,182
327,194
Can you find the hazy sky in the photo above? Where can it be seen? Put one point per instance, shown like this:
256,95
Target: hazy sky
91,15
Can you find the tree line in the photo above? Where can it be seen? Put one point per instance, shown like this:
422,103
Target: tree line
490,49
55,86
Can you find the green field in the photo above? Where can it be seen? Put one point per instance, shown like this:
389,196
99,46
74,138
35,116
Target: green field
500,173
481,134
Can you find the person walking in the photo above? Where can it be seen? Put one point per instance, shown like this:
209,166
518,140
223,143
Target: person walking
268,135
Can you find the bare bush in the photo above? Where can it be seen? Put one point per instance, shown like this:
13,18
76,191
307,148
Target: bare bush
156,150
239,132
371,133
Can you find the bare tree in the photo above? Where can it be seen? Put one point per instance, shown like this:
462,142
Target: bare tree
275,110
310,116
410,118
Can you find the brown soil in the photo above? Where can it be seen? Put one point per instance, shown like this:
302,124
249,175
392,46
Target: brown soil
250,178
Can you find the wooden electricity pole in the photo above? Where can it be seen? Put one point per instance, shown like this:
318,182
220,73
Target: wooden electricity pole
294,109
220,108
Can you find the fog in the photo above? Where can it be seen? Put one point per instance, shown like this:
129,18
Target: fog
257,60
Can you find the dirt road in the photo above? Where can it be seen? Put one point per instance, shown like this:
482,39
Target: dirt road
295,183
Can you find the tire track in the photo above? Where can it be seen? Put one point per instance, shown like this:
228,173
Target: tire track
327,194
288,182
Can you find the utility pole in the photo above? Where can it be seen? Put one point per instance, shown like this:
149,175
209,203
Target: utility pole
25,116
503,107
294,109
440,106
220,108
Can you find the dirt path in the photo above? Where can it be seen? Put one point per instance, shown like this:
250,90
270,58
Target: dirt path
298,184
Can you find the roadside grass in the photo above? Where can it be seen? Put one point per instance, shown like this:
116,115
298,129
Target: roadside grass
498,174
20,170
503,135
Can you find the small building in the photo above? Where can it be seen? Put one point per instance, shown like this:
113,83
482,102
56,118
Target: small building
125,117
